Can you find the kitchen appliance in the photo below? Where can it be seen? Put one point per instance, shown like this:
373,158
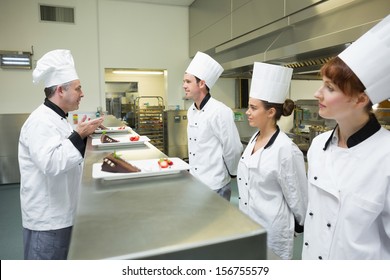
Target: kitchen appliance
176,143
114,103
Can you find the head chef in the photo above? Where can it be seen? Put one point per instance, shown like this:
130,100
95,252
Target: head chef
62,85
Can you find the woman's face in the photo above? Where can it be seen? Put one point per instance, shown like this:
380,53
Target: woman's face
256,113
333,103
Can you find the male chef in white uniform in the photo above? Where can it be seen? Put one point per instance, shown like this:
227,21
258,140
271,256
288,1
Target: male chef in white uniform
51,159
214,144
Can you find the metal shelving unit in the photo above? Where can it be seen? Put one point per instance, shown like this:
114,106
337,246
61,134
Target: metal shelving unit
149,119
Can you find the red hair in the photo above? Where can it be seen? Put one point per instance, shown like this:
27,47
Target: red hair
342,76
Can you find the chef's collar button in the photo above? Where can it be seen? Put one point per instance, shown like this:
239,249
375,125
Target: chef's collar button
239,178
311,214
306,244
239,197
319,257
315,178
242,157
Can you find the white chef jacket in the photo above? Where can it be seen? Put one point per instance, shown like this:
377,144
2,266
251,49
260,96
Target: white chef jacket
214,144
51,169
272,187
348,215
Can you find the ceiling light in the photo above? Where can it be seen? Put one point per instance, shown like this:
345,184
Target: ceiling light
137,72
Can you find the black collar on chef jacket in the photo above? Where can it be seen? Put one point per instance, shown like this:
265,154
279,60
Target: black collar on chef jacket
204,101
272,140
55,108
369,129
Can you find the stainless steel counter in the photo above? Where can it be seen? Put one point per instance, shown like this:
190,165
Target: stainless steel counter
165,217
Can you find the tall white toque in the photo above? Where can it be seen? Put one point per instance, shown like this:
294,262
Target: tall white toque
270,82
55,68
205,68
369,58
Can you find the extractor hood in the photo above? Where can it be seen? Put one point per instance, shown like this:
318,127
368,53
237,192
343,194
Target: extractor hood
303,41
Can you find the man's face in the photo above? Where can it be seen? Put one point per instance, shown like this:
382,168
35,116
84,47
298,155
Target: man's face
190,86
71,96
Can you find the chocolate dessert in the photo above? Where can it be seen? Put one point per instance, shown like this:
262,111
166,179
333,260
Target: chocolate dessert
113,163
107,139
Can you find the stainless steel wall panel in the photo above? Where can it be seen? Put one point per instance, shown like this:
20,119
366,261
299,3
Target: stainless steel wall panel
10,125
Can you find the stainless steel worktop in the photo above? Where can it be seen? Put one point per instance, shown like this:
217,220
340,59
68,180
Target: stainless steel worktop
164,217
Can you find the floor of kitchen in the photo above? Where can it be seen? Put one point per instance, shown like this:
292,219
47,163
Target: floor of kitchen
11,239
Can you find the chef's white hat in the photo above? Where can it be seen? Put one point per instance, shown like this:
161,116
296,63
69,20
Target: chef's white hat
270,82
205,68
369,58
55,68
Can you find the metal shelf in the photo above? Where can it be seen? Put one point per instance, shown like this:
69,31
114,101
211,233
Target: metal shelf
149,119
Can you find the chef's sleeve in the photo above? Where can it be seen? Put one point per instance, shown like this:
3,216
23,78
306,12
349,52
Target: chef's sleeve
227,133
293,181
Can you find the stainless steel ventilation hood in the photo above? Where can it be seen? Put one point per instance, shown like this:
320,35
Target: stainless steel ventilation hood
303,41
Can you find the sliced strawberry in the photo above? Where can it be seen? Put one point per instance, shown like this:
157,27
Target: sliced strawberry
163,164
134,138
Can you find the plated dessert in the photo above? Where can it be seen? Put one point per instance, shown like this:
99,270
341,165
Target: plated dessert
115,164
107,139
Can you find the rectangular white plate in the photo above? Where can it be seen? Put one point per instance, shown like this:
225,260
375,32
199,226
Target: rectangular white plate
149,168
114,129
123,141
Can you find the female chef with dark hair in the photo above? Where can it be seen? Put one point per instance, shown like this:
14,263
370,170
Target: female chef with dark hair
271,174
348,214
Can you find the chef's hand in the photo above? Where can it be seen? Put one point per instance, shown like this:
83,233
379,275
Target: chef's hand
86,128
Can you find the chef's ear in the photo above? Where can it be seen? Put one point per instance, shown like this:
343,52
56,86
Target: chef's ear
202,83
271,112
362,100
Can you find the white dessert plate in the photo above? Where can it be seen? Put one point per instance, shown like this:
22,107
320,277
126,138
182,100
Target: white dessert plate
149,168
115,129
123,141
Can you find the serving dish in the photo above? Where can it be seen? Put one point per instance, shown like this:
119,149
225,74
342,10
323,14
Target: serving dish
149,168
